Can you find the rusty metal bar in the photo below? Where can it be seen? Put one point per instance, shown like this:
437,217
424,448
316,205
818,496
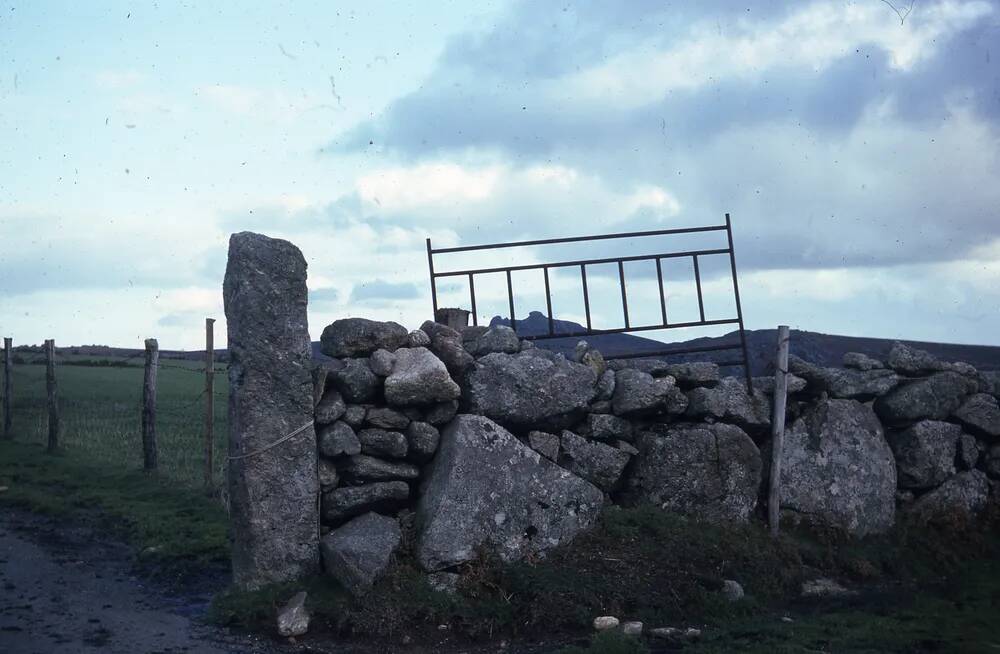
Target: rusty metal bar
642,328
697,283
589,262
621,281
472,296
586,295
663,298
548,302
430,265
739,308
578,239
680,350
510,300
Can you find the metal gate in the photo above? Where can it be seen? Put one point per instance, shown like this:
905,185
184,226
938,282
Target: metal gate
582,264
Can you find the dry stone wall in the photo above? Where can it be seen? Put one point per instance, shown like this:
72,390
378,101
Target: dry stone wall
483,441
473,440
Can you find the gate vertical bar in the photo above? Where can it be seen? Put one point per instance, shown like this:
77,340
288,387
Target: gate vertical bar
430,266
739,308
697,282
472,297
621,282
510,300
663,298
586,295
548,301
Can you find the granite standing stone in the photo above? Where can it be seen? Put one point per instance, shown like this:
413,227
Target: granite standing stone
273,508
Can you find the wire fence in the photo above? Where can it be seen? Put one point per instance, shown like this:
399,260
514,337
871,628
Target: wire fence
100,409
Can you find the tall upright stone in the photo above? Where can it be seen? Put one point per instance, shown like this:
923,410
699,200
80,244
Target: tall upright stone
273,492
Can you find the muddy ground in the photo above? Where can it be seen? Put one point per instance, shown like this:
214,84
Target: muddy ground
63,588
67,588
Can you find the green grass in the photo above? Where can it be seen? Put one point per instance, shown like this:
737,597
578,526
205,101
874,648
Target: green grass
101,413
174,530
956,615
924,591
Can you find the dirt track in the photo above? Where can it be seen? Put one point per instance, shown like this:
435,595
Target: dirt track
63,590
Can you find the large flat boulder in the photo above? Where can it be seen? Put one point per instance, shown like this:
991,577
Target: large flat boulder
955,502
349,501
485,489
498,338
418,379
693,374
913,361
273,509
845,384
638,393
360,337
527,390
355,381
364,468
359,552
731,402
838,469
981,414
709,471
861,361
989,382
598,463
925,453
932,398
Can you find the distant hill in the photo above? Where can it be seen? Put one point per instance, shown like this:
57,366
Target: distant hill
822,349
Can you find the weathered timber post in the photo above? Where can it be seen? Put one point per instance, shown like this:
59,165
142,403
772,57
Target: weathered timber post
50,389
778,428
149,405
273,483
209,399
8,388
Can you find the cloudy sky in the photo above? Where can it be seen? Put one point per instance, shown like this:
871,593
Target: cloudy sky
855,145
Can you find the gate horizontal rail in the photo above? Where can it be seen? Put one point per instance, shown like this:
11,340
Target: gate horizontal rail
694,255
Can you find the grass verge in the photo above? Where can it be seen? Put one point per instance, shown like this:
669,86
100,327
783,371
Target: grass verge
176,531
920,590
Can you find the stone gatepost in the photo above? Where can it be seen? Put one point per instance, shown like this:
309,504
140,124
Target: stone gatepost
273,485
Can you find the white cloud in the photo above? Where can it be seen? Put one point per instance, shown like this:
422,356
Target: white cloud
813,37
461,189
428,184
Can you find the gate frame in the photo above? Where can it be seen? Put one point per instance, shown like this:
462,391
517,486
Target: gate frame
583,263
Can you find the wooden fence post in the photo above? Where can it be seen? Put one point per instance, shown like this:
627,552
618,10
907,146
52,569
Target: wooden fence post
209,399
8,388
778,427
50,388
149,405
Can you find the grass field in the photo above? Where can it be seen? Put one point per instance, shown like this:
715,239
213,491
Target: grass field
101,413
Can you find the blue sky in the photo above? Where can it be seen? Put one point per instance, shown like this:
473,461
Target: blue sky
857,153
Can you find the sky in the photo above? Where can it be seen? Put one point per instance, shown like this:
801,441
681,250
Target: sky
856,146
